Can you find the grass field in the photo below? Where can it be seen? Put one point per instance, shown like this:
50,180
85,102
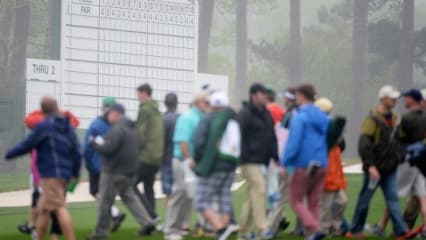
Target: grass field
84,216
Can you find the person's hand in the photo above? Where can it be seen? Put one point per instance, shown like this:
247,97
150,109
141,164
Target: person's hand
191,163
91,139
374,173
283,172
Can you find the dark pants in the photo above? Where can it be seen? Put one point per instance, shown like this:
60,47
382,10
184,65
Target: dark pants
388,183
146,175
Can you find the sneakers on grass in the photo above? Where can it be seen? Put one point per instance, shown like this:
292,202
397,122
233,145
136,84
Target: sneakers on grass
117,221
375,230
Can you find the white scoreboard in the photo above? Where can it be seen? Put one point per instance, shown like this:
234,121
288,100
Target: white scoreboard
109,47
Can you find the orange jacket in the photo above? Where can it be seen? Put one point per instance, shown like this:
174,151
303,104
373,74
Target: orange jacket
37,116
277,112
335,178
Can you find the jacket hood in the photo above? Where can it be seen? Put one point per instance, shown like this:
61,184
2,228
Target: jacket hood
315,117
60,123
151,104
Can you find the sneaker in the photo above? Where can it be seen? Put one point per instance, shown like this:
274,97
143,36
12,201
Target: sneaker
94,237
156,220
316,236
224,234
284,224
146,230
268,235
355,235
116,222
410,234
234,227
248,236
25,229
173,237
375,230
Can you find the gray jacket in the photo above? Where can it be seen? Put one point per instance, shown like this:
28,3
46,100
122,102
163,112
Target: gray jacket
121,149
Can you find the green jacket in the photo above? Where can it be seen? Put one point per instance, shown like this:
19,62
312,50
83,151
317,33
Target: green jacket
151,132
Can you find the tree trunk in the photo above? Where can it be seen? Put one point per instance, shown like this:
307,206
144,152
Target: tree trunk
407,46
7,15
204,30
53,33
295,73
359,67
241,47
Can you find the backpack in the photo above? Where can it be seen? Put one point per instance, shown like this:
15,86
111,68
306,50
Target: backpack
230,143
389,152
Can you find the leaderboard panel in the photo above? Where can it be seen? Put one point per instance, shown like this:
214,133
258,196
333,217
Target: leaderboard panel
112,46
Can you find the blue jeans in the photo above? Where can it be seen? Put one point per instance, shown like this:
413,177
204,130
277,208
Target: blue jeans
388,183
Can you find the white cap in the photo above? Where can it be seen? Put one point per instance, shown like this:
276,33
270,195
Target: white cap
219,99
389,91
424,93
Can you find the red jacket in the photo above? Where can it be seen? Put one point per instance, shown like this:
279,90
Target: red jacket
277,112
37,116
335,178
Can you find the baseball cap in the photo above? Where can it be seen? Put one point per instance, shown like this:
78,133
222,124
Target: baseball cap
258,87
424,94
108,101
414,94
219,99
389,91
324,104
119,108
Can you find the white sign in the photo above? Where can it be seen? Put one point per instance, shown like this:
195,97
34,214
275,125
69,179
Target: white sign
109,47
43,70
43,79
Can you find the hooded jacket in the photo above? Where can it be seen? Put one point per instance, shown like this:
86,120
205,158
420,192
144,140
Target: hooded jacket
258,140
99,127
151,133
59,154
120,150
307,142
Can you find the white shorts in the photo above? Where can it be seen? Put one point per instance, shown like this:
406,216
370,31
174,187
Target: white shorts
410,181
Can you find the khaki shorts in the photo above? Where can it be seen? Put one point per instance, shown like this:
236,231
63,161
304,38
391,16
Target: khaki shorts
52,195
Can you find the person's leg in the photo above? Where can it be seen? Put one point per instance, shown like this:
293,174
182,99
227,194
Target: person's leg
148,184
106,197
225,198
130,199
389,185
316,184
65,222
55,228
340,203
143,176
42,223
299,187
362,207
167,181
327,211
412,211
277,214
422,201
179,204
246,212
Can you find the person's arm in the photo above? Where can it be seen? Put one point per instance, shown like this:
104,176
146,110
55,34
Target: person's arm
366,147
142,124
76,156
293,145
200,139
88,151
28,144
112,141
274,142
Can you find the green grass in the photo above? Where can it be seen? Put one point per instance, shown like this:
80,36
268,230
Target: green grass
84,215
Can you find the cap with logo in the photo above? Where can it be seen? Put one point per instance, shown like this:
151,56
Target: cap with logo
219,99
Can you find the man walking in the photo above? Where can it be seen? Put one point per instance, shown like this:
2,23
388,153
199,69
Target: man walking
305,160
99,127
180,204
257,129
215,171
119,150
151,133
380,159
59,161
169,120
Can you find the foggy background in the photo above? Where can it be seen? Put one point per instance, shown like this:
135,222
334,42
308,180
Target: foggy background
347,48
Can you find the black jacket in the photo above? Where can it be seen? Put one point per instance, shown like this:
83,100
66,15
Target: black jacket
258,139
121,149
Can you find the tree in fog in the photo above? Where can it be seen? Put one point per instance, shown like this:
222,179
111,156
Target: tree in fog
53,33
407,46
204,31
359,63
295,73
241,44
